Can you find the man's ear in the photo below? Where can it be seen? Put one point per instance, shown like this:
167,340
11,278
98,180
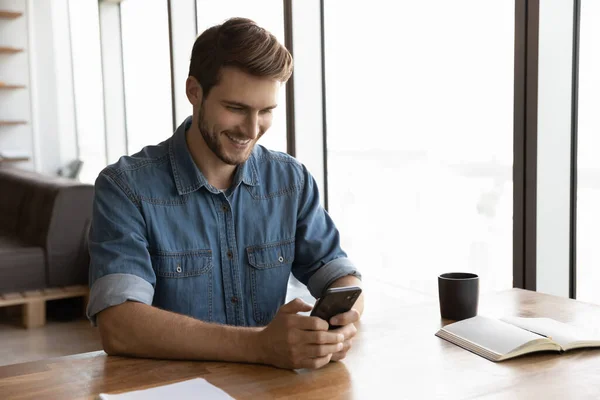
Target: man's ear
193,90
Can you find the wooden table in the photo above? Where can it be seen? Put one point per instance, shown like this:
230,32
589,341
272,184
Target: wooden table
395,355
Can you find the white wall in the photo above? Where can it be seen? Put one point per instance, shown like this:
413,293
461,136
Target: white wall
554,146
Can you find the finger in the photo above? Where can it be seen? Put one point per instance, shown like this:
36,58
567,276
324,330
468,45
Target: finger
295,306
342,354
320,350
310,323
349,331
346,318
320,337
315,363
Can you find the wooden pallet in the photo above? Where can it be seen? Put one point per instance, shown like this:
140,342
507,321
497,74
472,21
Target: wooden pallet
34,302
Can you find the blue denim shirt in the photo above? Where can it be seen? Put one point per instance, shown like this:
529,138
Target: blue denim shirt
162,235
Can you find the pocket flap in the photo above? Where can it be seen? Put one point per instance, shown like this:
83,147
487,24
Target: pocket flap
271,255
182,264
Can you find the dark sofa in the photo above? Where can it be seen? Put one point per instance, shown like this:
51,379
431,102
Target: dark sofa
44,222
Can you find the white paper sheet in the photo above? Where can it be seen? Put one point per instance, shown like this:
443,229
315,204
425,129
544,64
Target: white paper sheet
197,388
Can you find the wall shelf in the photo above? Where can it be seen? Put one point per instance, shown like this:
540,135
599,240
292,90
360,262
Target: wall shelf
7,86
11,157
15,159
9,123
4,14
9,50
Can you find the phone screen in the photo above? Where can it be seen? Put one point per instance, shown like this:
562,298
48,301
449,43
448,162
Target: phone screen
336,301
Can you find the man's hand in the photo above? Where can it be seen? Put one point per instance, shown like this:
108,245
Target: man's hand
347,328
296,341
347,320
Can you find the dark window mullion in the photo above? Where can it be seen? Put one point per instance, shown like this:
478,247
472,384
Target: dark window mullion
172,64
324,113
289,87
574,121
525,144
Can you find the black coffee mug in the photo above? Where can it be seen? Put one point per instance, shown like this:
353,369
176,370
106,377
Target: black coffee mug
459,295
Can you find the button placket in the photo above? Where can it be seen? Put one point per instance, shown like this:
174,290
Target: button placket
233,309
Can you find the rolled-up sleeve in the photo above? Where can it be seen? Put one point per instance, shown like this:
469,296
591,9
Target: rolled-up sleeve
319,259
120,265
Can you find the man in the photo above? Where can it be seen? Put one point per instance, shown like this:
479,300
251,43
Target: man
193,240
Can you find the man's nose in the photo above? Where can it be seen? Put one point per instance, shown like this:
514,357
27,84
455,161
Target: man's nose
252,127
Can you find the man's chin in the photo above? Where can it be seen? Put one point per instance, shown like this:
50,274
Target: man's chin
235,161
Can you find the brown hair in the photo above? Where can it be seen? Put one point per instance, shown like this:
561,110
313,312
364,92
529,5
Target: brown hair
241,43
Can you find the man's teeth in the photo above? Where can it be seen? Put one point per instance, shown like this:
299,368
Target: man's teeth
239,141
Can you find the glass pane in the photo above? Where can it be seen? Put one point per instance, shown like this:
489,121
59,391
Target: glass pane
147,72
87,83
183,31
420,137
112,73
553,142
588,162
269,15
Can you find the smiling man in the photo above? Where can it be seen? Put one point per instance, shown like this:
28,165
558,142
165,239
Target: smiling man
193,240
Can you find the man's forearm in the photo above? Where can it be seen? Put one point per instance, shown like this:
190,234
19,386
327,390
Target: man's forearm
350,280
140,330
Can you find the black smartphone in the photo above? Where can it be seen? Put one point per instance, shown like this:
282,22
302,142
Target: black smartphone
335,301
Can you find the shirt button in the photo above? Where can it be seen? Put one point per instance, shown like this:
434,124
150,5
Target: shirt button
178,268
225,208
229,255
234,300
280,259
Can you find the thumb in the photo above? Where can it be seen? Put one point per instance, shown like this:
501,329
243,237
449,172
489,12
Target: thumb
295,306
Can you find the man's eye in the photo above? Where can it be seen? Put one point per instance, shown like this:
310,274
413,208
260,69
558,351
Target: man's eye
269,111
234,108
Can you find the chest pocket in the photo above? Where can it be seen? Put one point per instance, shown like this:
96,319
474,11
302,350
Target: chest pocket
184,283
270,267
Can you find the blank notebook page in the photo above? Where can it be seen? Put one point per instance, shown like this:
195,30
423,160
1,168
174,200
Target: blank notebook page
197,388
560,332
491,333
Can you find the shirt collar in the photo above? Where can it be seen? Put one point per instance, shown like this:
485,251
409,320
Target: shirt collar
188,177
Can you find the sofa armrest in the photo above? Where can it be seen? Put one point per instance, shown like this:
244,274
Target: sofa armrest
67,256
55,215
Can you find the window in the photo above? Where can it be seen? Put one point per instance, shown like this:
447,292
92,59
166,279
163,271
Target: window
308,89
588,163
112,76
183,32
420,138
147,72
269,15
87,83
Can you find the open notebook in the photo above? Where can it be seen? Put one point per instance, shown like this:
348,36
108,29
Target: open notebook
499,340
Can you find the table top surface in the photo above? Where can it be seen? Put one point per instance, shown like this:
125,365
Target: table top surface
395,352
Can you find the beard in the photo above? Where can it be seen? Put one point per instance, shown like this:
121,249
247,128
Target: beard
211,138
